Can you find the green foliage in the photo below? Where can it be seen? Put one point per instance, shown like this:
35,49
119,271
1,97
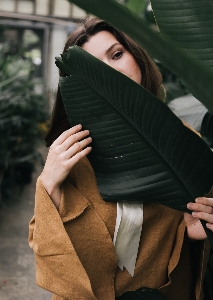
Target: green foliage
23,113
135,157
189,24
173,85
136,6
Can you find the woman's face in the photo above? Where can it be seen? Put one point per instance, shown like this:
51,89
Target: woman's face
105,47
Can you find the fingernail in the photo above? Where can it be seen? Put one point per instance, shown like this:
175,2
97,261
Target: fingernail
207,225
79,126
90,139
189,205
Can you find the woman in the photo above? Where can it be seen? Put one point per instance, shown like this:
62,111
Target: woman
73,228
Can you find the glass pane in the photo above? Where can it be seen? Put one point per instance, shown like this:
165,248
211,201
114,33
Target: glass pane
77,12
42,7
32,44
7,5
25,7
62,8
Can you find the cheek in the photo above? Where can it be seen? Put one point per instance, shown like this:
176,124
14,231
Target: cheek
129,67
134,70
137,76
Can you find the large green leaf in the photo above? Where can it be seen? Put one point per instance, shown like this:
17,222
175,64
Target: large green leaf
190,24
198,78
135,157
136,6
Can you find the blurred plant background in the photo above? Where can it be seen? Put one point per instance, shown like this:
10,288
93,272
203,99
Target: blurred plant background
23,121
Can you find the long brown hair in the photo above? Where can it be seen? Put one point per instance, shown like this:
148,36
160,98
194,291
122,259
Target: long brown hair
151,77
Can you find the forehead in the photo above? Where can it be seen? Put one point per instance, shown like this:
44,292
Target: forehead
99,43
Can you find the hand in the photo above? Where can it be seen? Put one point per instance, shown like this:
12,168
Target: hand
195,229
63,154
203,209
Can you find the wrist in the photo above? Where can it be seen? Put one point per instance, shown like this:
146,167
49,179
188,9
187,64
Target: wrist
54,191
49,184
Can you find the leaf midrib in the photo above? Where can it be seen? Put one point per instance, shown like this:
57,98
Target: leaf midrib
169,167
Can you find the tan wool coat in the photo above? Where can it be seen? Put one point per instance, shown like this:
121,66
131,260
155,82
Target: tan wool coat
75,255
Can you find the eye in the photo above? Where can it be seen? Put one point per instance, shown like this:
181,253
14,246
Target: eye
117,55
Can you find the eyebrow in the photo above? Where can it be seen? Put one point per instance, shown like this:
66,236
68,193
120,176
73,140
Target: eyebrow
111,47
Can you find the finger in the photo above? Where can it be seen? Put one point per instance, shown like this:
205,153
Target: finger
210,226
204,201
78,146
79,155
203,216
66,134
200,207
71,140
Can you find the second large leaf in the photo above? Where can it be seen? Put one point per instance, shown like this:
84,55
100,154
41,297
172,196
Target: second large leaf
141,150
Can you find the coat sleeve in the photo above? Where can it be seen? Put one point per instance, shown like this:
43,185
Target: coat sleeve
58,267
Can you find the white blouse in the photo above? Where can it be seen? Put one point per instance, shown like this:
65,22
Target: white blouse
127,234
